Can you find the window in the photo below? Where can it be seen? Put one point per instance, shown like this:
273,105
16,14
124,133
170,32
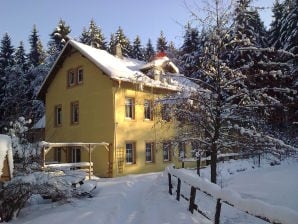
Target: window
148,110
166,146
80,76
71,78
75,112
58,115
149,151
129,108
74,155
195,149
181,149
130,153
165,112
57,155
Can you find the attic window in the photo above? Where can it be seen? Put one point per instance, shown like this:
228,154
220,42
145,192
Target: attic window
71,78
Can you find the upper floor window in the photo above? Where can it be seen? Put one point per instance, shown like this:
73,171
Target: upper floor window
58,115
75,112
148,110
149,146
71,78
80,75
130,152
129,108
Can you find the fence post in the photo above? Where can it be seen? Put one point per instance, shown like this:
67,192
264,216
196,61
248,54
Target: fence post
198,165
182,164
192,199
178,190
170,184
217,212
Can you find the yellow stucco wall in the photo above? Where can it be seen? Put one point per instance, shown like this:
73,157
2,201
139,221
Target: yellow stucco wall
102,119
95,110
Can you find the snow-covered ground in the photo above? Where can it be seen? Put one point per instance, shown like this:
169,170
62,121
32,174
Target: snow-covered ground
144,198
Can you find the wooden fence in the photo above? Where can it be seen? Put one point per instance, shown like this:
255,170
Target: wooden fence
277,214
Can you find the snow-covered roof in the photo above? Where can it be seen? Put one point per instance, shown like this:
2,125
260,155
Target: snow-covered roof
40,124
126,69
5,150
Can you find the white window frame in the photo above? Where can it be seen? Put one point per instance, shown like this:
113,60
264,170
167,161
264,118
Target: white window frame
80,73
71,78
130,153
149,147
58,115
166,148
75,112
148,110
129,108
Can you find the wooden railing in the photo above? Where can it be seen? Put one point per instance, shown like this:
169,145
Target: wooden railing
253,207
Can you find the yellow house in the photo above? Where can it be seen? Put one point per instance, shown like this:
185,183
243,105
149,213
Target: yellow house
93,96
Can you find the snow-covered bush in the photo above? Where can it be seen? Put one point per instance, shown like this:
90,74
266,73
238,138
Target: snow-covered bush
25,153
56,185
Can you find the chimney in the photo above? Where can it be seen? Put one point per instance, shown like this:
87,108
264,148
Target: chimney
118,51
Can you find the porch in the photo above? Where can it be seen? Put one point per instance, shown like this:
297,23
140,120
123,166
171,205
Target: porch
73,159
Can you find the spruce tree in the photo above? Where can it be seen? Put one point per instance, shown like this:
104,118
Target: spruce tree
161,45
112,44
289,27
275,27
6,62
149,52
137,51
123,41
35,54
58,38
20,57
94,36
190,52
6,53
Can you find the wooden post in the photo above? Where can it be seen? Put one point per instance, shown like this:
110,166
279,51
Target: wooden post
178,190
259,159
182,163
89,147
192,199
198,165
170,184
217,212
43,157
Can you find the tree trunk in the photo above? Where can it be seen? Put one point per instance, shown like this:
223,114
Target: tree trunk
213,163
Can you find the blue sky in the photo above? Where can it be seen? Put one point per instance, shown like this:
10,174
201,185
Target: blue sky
136,17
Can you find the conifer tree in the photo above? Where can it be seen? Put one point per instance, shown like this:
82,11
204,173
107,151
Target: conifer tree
190,52
289,27
6,53
20,57
161,45
93,36
58,38
112,44
149,52
275,27
137,51
6,62
36,53
123,41
220,114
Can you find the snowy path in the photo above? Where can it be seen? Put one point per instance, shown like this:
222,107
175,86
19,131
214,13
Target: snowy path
133,199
